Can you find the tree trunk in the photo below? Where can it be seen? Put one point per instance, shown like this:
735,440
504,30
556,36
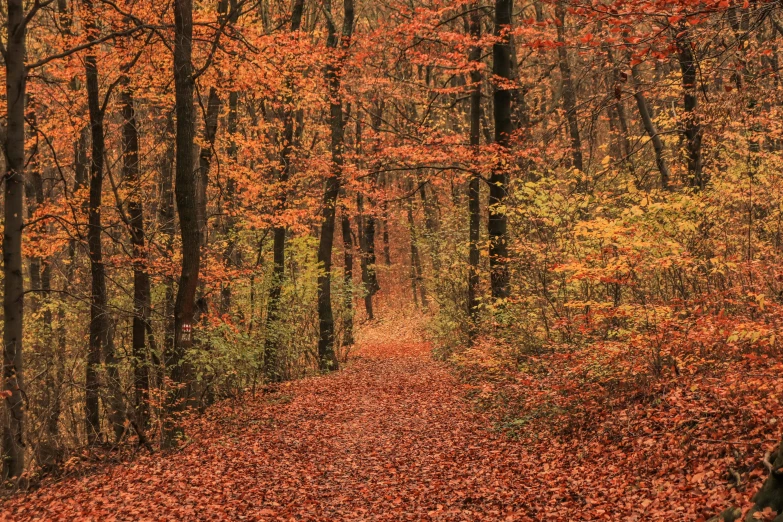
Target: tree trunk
649,127
230,255
474,186
13,279
34,196
692,128
271,341
48,452
428,204
168,227
771,493
385,236
366,225
569,96
205,161
187,208
326,354
141,279
99,313
616,91
80,178
417,283
498,182
54,377
347,279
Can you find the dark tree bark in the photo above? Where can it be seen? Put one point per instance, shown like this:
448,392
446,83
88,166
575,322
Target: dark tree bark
366,226
47,452
474,186
520,116
80,176
141,279
100,344
649,127
13,279
498,182
369,247
34,196
54,377
430,222
326,353
430,211
347,279
98,294
363,263
117,413
569,95
417,283
80,179
692,128
230,254
205,161
168,227
770,495
187,208
618,108
271,344
385,235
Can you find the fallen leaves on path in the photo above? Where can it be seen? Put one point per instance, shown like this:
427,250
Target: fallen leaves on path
388,438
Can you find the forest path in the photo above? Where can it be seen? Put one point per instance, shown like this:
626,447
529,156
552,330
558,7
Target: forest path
387,438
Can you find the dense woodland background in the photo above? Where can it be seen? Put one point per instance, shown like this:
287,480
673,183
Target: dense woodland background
204,198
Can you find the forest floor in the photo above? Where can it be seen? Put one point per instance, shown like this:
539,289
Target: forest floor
389,437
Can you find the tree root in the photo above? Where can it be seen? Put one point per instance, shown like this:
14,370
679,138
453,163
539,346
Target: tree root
771,493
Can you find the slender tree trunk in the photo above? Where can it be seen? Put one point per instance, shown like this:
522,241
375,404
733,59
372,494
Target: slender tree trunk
347,279
474,185
417,282
205,161
327,358
117,413
520,116
187,208
271,341
619,108
202,184
649,127
80,178
80,175
99,345
569,95
34,196
13,280
97,295
385,235
326,353
366,225
168,227
53,377
430,210
430,223
40,286
498,182
141,279
692,128
230,255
